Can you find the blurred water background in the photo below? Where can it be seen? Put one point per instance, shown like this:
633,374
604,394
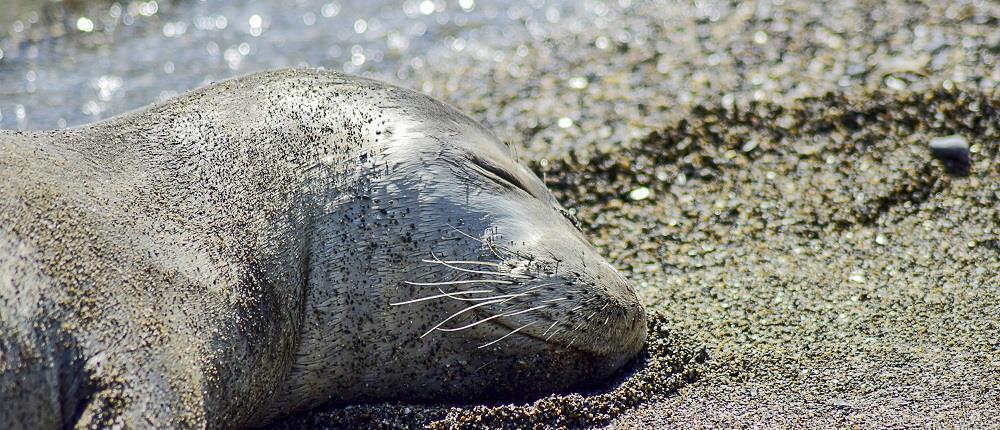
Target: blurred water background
69,62
545,74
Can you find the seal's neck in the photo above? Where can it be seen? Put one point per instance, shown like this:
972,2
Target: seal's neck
230,199
240,190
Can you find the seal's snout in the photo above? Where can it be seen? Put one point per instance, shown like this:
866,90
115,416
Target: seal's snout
624,333
579,302
603,320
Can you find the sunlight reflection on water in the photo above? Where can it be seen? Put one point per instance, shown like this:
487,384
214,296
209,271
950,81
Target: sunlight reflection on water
68,67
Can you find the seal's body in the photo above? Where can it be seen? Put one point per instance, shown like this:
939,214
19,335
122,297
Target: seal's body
281,240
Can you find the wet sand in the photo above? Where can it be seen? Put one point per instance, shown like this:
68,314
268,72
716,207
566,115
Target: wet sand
767,181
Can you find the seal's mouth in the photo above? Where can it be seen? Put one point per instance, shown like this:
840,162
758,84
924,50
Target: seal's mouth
590,367
521,332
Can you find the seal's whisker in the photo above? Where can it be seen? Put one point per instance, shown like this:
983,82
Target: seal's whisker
550,327
503,296
508,314
553,334
507,335
466,234
493,247
466,281
554,300
485,263
462,312
481,272
488,244
507,296
484,365
438,296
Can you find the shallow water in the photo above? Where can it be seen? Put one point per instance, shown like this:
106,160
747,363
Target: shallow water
70,63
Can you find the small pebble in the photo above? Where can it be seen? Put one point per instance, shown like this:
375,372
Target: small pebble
895,83
952,148
840,403
641,193
578,82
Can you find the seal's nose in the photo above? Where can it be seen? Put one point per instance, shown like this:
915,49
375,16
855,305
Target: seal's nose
636,321
634,313
624,293
638,316
622,331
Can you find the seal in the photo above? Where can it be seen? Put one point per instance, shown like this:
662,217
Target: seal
282,240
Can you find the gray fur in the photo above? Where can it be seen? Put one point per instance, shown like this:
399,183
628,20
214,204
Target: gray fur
255,247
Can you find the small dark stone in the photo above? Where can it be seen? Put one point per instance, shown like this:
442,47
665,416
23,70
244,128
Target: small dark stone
953,151
839,403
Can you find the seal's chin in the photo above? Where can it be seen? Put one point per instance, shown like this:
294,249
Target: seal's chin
579,359
525,367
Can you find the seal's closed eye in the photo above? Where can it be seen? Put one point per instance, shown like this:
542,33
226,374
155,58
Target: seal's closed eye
503,177
499,175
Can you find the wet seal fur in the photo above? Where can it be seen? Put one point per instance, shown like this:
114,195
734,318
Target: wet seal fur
281,240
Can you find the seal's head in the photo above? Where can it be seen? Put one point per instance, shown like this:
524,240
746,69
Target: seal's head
509,297
466,279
